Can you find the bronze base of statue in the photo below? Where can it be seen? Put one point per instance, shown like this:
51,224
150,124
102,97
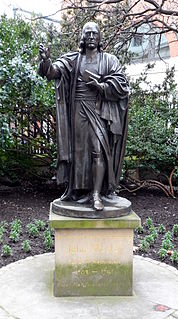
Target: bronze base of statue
114,206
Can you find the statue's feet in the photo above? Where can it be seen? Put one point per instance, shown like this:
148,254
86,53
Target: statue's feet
97,202
70,195
66,196
111,195
85,199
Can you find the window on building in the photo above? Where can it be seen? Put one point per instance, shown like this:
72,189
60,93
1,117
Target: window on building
146,47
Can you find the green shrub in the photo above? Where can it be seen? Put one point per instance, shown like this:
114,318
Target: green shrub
162,253
168,235
161,229
151,142
40,224
175,230
48,240
174,257
154,232
26,246
3,227
4,224
16,226
1,236
14,236
167,244
144,245
150,239
33,230
149,222
6,251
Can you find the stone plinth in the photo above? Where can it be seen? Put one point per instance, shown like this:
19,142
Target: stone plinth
93,257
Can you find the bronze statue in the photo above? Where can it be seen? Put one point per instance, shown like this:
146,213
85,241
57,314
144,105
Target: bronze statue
91,117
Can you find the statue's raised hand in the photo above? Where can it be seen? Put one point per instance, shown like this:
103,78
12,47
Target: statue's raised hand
44,52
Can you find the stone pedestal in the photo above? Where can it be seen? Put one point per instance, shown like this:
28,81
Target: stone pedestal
93,257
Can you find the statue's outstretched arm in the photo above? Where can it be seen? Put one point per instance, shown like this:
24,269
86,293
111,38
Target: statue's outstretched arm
46,67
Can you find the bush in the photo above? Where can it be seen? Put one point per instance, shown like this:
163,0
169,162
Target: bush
25,99
6,251
162,253
175,230
150,239
151,142
161,229
40,224
26,246
167,244
145,245
174,256
48,240
33,230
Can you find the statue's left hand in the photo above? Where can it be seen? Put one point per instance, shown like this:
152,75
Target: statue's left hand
95,83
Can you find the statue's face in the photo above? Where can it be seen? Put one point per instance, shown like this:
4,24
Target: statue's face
91,35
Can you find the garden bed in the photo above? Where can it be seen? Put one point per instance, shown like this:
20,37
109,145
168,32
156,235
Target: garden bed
31,204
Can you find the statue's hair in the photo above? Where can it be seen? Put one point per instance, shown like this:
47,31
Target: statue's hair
82,40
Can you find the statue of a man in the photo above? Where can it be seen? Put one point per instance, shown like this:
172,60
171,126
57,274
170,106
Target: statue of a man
91,117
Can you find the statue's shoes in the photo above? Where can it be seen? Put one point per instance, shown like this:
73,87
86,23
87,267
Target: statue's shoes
66,196
85,199
97,202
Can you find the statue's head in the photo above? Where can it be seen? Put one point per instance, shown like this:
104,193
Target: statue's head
91,37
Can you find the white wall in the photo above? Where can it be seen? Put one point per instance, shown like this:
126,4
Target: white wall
155,75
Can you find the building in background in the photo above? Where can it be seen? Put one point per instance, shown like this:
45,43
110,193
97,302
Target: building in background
160,49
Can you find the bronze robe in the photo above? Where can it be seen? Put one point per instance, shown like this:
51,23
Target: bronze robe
110,109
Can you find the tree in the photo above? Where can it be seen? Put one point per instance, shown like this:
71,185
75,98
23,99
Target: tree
121,20
27,104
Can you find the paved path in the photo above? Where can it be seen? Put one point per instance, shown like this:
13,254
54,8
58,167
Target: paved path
26,293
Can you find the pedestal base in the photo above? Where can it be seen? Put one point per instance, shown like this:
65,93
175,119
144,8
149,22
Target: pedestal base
114,206
93,257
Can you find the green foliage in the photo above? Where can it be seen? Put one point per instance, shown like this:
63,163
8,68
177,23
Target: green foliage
3,227
16,226
48,240
175,230
149,222
161,229
26,246
5,135
33,230
167,244
162,253
15,230
145,245
40,224
4,224
154,232
150,239
168,235
14,236
151,142
6,251
25,98
1,234
174,257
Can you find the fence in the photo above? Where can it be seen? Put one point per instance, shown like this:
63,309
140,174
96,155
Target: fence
31,133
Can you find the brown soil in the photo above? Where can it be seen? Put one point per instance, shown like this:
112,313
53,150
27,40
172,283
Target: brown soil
28,204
